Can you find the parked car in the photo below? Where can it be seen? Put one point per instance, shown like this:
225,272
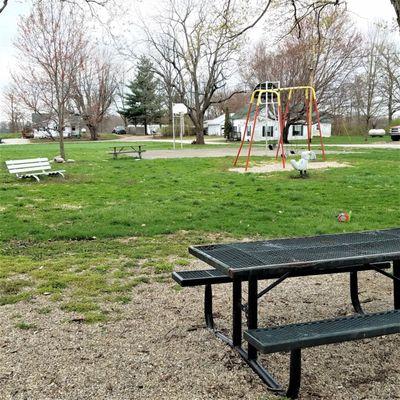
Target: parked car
395,133
119,130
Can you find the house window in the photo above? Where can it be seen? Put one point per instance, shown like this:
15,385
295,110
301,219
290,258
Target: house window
267,130
248,130
297,130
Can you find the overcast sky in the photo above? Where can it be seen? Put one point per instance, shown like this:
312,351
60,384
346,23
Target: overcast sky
364,12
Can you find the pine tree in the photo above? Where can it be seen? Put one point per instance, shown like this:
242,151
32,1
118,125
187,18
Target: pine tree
143,102
228,126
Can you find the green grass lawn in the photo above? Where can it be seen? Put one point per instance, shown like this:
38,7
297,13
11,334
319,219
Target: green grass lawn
10,135
86,241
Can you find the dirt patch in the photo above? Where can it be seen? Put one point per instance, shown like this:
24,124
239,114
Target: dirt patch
277,167
156,347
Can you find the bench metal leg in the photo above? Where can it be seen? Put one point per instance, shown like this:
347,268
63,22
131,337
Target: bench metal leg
355,300
208,314
237,312
252,315
295,374
396,284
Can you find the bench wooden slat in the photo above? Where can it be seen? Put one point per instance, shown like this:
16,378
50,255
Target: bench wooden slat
29,169
27,161
22,166
310,334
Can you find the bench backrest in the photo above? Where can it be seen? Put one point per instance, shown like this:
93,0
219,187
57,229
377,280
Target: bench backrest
28,165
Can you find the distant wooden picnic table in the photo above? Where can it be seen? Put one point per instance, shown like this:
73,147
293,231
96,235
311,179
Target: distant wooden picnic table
117,150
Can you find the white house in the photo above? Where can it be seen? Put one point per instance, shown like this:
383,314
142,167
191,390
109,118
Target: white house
215,127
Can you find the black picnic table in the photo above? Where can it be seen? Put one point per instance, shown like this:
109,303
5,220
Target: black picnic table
127,149
280,259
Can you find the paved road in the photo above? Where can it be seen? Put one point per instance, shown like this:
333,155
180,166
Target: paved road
16,141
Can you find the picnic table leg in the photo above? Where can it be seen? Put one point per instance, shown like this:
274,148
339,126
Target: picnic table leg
295,374
208,307
237,312
355,300
140,152
252,314
396,284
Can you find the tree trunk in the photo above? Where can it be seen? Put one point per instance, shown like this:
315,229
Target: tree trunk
396,5
199,136
145,126
199,129
93,132
61,140
390,107
286,133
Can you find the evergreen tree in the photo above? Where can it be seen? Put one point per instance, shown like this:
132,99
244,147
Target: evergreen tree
228,126
143,102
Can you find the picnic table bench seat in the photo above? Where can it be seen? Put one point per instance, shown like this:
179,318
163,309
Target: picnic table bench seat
295,337
317,333
32,168
200,277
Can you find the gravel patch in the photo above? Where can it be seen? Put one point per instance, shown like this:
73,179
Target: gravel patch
156,347
277,167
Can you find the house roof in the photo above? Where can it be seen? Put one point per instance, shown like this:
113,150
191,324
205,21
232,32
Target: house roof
242,114
217,121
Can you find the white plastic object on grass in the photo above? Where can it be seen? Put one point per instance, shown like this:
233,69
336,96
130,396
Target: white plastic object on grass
302,164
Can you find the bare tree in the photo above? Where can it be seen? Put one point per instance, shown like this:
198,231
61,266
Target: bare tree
52,52
323,57
194,52
96,85
367,87
90,3
389,62
11,108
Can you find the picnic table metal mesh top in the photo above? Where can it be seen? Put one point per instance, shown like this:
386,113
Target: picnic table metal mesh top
372,246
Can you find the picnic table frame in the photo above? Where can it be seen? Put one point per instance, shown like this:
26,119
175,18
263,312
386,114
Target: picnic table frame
241,262
127,149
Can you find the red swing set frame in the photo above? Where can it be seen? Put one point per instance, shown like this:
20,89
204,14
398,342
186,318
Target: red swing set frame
310,103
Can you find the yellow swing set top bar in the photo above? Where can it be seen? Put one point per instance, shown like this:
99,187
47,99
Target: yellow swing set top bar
259,92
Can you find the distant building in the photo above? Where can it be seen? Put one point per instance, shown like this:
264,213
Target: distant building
215,127
44,126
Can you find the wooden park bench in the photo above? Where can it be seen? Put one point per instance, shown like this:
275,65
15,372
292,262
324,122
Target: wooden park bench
31,168
117,150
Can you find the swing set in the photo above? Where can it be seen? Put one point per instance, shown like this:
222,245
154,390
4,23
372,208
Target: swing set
310,102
